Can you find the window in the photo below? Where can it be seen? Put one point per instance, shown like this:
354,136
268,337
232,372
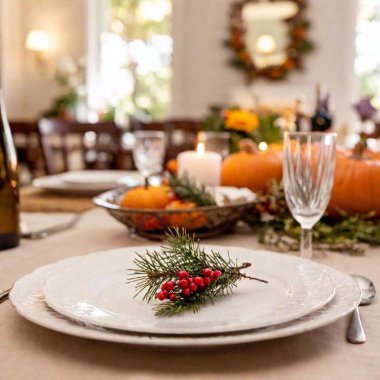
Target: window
135,64
367,63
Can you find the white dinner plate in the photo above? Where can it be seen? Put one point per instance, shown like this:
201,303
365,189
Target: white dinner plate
86,181
27,298
95,292
97,178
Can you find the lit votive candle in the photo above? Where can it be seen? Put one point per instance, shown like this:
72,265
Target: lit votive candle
202,167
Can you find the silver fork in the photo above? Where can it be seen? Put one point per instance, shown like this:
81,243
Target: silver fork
41,234
45,232
4,295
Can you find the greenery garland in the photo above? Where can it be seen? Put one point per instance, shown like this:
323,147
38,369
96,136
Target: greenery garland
277,229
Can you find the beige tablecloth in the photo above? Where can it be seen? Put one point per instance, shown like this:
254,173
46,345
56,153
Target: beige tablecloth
28,351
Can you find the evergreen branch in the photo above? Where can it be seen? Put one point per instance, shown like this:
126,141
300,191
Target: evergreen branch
188,190
204,275
168,309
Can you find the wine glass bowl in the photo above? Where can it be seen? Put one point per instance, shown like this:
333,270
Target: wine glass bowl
149,152
309,164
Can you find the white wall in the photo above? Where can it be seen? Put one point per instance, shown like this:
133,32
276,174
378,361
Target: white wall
11,63
29,88
203,77
201,74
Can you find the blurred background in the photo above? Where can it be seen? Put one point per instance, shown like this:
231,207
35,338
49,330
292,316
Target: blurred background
139,62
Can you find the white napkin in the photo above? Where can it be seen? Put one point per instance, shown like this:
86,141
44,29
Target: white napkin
229,195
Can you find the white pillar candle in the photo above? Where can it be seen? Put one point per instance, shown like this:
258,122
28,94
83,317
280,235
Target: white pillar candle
202,167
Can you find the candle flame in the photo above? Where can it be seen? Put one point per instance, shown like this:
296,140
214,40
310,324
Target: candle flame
263,146
201,148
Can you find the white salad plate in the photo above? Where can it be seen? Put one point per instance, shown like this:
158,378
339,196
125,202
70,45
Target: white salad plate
27,298
94,291
87,181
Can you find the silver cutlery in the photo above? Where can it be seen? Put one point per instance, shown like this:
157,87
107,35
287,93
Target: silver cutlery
4,295
355,333
45,232
41,234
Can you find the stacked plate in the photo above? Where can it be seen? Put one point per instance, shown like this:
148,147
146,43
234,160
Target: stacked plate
87,182
88,297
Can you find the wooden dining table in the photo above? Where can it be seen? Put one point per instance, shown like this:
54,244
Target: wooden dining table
28,351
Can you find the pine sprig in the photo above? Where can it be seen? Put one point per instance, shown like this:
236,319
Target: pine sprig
188,190
182,252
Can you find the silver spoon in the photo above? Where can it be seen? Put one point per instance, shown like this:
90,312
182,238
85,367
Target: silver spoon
41,234
355,333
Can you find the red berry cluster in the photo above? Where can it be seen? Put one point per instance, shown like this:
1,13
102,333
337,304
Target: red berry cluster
187,285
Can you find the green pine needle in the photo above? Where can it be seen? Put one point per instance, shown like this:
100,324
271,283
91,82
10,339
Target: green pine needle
182,252
187,190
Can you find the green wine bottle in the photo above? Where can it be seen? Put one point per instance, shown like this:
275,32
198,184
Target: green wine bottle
9,190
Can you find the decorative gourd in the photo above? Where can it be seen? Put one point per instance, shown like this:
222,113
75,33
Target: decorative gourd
188,220
252,168
172,166
152,197
357,182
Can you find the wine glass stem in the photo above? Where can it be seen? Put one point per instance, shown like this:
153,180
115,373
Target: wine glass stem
306,243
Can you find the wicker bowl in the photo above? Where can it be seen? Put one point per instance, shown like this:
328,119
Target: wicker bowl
203,221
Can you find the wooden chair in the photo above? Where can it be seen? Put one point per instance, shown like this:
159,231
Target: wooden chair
181,134
28,146
99,145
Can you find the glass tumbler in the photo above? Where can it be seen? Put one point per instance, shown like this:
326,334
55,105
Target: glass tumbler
149,152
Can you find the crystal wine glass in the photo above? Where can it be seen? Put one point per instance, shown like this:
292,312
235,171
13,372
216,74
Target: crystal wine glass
309,164
149,152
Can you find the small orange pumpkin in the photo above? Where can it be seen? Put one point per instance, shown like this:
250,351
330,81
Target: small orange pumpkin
357,183
172,166
189,220
252,168
152,197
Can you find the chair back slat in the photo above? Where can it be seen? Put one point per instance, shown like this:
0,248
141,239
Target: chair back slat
28,145
60,137
180,133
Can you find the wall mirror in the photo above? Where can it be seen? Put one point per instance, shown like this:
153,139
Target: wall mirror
269,37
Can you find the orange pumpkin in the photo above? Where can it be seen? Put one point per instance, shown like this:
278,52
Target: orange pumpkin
276,147
152,197
172,166
357,183
252,168
189,220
